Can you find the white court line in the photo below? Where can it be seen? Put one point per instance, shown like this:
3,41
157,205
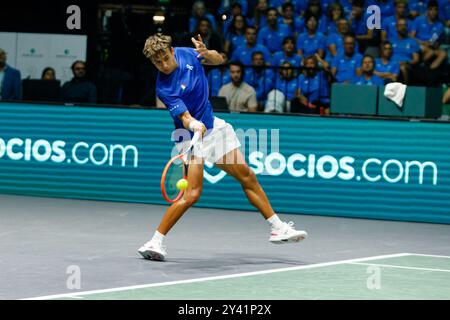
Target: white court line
237,275
399,267
428,255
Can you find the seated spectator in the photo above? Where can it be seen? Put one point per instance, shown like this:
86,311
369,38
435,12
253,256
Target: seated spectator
386,7
48,74
236,10
313,95
405,50
335,13
429,31
10,80
295,23
239,95
210,38
227,7
260,78
288,54
416,8
273,34
219,76
285,90
358,25
314,9
385,67
311,42
260,19
79,89
335,41
236,34
199,11
347,66
368,76
389,25
244,53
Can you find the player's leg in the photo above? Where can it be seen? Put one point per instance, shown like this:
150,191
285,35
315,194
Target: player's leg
154,248
234,164
191,196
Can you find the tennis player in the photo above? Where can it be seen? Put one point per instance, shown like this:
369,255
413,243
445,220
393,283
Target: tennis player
183,88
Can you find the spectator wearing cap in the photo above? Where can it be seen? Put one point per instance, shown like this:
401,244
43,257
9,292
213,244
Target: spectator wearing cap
346,66
313,95
368,76
288,17
288,54
218,76
429,31
389,24
79,89
311,42
385,67
236,34
273,34
260,78
10,80
239,95
199,11
244,53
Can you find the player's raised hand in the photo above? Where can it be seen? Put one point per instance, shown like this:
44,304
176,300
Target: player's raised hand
200,47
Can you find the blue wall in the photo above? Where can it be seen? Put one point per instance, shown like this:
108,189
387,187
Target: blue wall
321,161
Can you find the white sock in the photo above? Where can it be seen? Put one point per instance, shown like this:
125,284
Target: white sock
159,237
275,222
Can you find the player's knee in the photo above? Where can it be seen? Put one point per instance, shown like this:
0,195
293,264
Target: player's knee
192,197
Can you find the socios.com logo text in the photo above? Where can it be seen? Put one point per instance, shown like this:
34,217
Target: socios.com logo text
328,167
81,152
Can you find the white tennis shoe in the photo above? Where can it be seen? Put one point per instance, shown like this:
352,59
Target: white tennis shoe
286,233
153,250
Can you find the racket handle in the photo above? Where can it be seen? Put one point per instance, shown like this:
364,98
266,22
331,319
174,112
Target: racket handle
195,139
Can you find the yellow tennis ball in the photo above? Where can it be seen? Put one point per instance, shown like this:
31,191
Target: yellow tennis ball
182,184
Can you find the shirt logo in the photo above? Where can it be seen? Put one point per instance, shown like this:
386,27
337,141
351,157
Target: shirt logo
183,86
190,67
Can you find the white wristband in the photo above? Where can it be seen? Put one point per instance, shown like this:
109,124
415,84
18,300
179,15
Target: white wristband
195,125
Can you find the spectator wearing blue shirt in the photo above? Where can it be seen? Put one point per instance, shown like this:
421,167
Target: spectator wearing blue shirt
10,80
244,52
386,7
227,6
348,65
335,41
389,24
260,78
272,36
199,11
334,14
314,9
236,35
218,77
405,50
288,54
428,31
368,76
285,90
259,19
288,18
385,67
313,95
311,42
236,10
358,26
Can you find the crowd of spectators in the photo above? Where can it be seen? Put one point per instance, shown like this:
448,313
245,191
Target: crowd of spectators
290,52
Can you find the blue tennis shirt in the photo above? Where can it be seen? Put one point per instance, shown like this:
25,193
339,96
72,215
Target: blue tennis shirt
186,89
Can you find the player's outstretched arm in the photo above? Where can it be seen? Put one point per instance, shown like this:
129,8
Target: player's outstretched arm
190,123
212,57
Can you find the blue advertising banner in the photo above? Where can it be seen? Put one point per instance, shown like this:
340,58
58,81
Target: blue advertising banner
379,169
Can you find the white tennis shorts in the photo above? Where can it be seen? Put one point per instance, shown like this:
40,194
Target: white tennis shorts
217,143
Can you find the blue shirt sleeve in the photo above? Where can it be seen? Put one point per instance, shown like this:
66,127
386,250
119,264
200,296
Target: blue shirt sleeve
174,104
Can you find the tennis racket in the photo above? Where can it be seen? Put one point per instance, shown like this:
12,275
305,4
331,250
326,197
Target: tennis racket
176,169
